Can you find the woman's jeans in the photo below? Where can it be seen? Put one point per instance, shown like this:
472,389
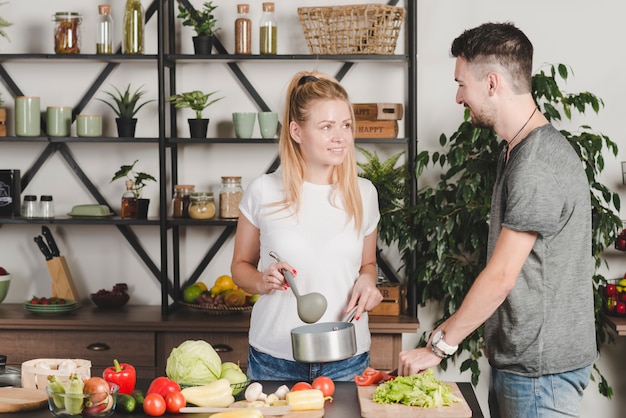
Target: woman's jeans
555,395
263,366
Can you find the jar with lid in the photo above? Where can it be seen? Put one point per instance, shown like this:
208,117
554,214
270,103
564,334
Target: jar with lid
67,32
268,30
243,30
202,205
29,206
104,36
133,36
130,205
46,206
180,201
230,196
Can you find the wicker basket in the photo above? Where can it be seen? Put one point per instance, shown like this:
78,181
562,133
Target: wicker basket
352,29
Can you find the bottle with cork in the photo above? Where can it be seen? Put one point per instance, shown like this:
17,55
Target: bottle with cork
104,36
243,30
268,30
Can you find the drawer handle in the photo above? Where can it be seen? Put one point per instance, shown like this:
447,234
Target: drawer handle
222,348
98,347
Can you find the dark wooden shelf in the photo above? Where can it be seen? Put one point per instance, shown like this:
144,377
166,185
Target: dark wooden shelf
283,57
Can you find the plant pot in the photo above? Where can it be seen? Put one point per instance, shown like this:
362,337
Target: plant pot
126,127
198,127
142,208
203,45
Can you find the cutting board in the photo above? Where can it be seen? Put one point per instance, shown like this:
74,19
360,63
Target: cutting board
370,409
21,399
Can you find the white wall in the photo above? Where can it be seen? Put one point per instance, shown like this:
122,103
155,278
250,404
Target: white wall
577,33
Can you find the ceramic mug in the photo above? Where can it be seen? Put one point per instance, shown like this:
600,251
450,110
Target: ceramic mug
89,125
27,116
268,123
58,120
244,124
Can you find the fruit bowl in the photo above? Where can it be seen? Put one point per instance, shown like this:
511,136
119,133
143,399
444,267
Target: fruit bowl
109,301
65,405
614,297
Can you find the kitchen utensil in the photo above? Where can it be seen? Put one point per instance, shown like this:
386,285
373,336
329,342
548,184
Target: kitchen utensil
62,281
21,399
323,342
370,409
312,306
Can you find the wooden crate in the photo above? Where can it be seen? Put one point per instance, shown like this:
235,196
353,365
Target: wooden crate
394,298
376,129
377,111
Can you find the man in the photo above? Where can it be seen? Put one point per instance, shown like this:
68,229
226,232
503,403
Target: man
540,263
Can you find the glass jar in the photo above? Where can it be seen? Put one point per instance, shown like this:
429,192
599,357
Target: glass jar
104,35
243,30
230,196
46,206
268,30
29,206
133,36
202,205
67,32
180,201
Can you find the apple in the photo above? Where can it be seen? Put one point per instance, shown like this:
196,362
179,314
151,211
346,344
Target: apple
620,243
3,272
610,289
620,308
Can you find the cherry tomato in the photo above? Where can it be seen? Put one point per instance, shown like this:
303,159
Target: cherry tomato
174,401
301,386
325,384
154,405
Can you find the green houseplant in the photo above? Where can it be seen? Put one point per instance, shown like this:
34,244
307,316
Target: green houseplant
126,105
196,101
443,236
138,180
4,24
203,22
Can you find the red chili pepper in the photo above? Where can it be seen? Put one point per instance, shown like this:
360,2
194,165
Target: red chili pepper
123,375
163,385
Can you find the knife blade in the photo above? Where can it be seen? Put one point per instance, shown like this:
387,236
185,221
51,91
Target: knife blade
43,248
54,249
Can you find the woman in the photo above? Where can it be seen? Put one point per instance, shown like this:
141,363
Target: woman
321,218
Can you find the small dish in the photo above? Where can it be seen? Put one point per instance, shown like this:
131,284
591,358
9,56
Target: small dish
110,301
91,211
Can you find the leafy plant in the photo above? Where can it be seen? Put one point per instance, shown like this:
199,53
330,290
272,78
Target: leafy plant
1,100
203,22
137,177
194,100
442,238
4,24
125,105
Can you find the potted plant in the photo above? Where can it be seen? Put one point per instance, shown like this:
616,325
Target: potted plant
203,22
4,24
138,180
196,101
126,105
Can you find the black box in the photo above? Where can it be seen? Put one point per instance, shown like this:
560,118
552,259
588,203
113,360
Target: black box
10,192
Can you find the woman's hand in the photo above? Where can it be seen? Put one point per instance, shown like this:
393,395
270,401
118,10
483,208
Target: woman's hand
273,279
365,295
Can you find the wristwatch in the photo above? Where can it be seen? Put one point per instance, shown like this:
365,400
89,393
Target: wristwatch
438,345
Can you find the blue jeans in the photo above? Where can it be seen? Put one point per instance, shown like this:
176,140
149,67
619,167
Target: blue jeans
555,395
263,366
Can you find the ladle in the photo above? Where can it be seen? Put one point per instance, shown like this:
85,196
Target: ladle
312,306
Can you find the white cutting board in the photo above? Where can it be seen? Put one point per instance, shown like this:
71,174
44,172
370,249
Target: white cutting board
21,399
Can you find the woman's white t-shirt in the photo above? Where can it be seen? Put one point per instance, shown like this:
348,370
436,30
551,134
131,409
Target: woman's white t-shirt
319,243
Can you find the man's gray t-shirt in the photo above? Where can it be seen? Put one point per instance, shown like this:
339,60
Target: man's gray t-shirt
546,324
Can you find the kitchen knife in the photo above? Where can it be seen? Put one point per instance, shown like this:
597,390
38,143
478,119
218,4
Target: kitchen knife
54,249
43,248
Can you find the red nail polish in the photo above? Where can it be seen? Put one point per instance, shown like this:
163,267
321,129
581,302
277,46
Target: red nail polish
294,272
357,318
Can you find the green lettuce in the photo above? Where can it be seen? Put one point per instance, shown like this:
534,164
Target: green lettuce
421,390
194,363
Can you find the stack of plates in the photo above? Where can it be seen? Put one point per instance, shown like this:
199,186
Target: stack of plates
38,309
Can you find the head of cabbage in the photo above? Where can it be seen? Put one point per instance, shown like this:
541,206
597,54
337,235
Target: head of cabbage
194,363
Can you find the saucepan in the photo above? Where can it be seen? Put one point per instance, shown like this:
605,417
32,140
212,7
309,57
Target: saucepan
324,341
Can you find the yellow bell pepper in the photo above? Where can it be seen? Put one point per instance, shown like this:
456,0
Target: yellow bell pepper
239,413
216,394
304,400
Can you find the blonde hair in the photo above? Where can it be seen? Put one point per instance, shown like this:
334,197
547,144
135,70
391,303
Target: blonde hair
303,90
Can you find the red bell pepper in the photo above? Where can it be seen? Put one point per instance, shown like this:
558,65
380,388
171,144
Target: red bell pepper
163,385
123,375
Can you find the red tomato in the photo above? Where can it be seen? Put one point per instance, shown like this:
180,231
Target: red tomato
325,384
154,405
174,401
301,386
369,376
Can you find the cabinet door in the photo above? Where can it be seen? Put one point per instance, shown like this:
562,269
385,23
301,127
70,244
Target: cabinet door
136,348
231,346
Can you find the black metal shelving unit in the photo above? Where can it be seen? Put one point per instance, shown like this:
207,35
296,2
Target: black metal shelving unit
166,61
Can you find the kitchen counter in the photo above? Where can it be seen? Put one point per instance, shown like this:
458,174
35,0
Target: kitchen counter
344,405
619,324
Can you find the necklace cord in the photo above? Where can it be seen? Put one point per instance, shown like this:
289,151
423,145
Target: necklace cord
512,141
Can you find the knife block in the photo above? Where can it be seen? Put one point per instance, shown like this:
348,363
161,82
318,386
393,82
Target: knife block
62,282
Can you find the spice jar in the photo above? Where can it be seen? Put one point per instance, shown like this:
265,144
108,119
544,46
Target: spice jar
180,201
243,30
230,196
46,206
67,32
202,205
29,206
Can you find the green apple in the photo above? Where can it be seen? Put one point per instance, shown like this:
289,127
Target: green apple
229,365
235,377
